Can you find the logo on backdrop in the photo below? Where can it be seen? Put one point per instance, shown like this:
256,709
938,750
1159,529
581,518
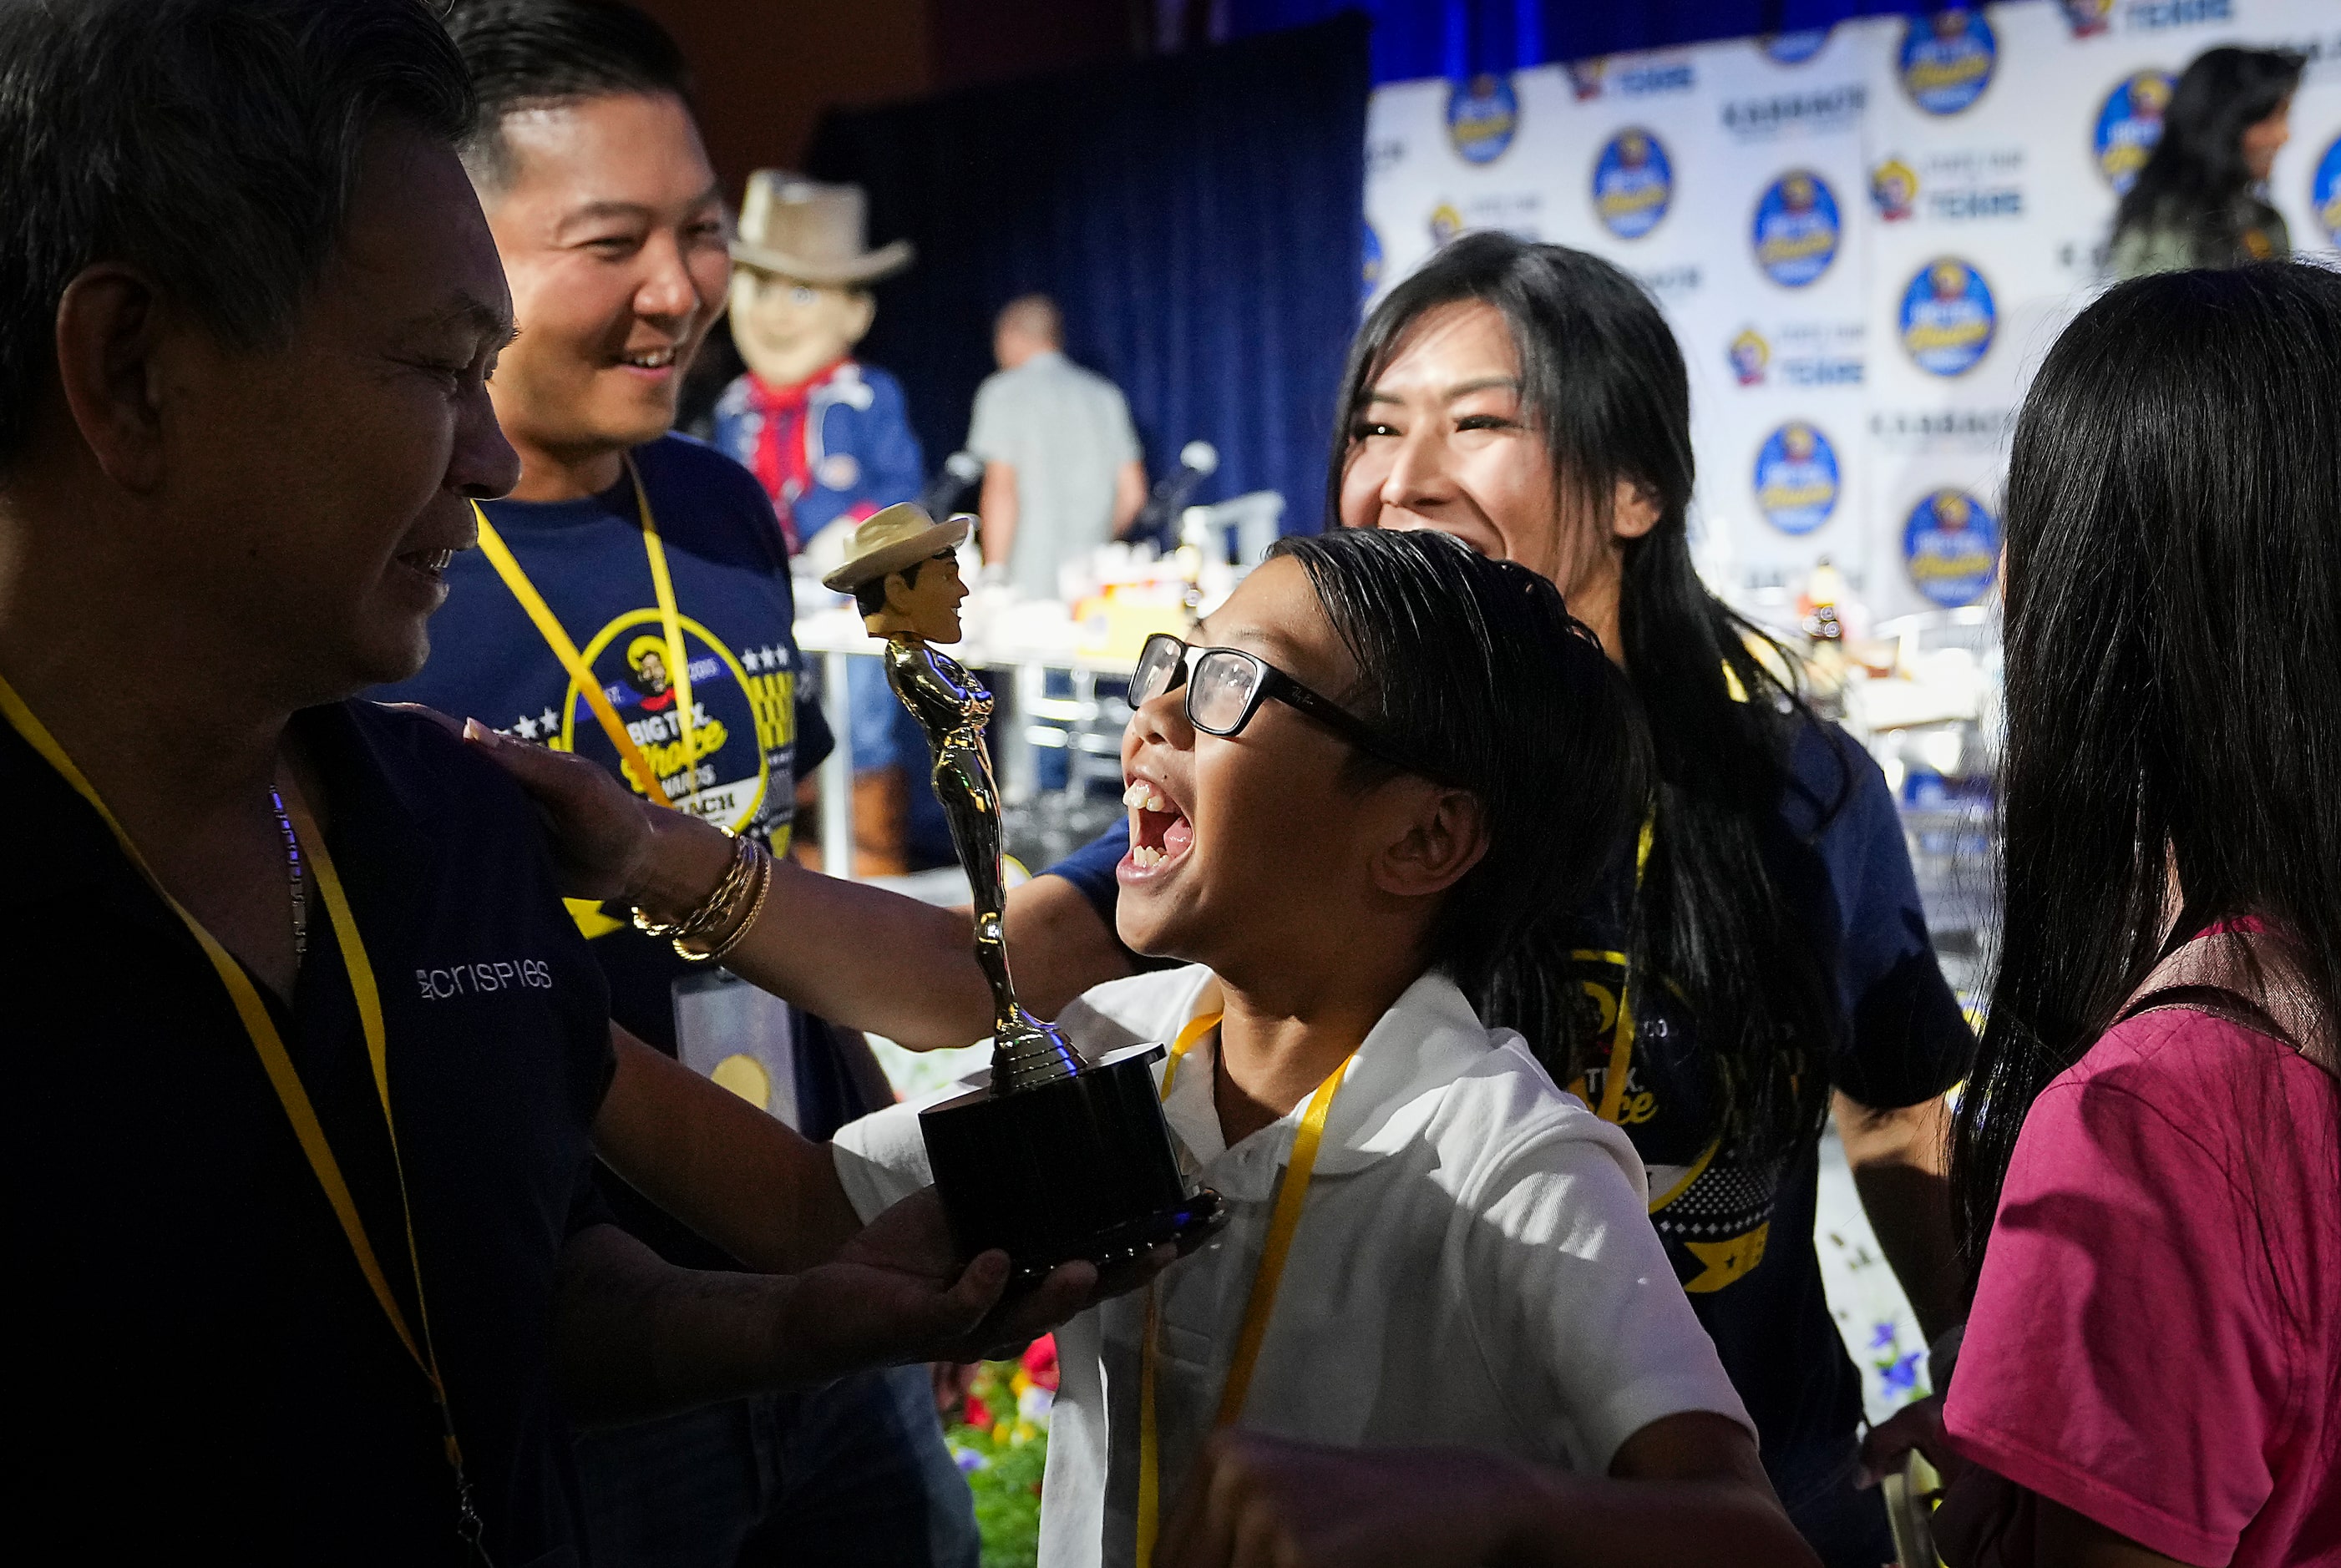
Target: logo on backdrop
1793,48
1947,59
1894,190
1796,478
1370,250
1590,79
2129,123
1952,547
1748,354
1797,228
2087,18
1585,77
2325,192
1445,222
1633,184
1483,114
1947,317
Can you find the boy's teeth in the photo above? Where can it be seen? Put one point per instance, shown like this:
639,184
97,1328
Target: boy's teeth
1145,797
1146,858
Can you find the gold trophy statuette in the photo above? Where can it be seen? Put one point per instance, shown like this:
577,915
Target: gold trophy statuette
1055,1159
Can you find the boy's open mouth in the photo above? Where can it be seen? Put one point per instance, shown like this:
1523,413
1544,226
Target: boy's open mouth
1158,831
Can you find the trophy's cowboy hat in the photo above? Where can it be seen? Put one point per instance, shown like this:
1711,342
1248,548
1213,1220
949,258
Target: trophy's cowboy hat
900,536
812,233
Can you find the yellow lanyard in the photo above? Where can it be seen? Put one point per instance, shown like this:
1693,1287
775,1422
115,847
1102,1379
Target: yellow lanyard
637,768
1621,1038
1290,1195
278,1064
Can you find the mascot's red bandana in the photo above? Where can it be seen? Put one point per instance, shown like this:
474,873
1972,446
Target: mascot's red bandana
780,459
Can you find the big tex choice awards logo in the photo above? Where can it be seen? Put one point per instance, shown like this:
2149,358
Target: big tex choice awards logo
2129,123
1633,183
2325,192
1947,59
1894,190
1950,545
1795,229
1483,115
1947,317
1796,478
1748,354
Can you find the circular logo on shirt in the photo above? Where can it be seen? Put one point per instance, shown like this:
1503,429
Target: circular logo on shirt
2325,192
1947,59
1483,114
1371,272
1633,183
1749,355
1947,317
732,762
2129,123
1894,190
1796,478
1797,227
1951,546
1793,48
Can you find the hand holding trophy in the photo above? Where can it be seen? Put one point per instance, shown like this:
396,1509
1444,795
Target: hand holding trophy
1055,1158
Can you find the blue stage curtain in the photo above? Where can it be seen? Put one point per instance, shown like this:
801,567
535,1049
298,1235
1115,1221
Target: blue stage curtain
1417,38
1199,217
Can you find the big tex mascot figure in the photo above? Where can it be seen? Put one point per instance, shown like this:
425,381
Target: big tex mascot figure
831,439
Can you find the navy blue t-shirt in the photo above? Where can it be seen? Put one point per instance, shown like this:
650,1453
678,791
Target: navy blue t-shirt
757,722
1741,1240
206,1363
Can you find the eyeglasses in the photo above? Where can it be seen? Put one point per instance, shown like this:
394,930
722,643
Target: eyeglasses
1228,685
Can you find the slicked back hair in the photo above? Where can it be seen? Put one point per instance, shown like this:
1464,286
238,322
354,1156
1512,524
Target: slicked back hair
539,53
212,144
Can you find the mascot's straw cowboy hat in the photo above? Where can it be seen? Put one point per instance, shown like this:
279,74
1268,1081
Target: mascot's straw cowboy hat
812,232
899,537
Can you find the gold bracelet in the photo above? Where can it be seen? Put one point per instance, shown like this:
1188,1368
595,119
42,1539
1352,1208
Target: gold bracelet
755,907
713,908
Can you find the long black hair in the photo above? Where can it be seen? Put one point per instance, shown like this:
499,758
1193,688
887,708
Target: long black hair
1478,666
2196,174
2173,668
1603,383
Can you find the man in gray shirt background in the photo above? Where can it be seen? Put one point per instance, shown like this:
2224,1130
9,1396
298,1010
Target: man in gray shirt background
1061,463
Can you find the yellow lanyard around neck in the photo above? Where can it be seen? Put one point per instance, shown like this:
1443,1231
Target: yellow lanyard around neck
277,1063
637,767
1291,1195
1621,1038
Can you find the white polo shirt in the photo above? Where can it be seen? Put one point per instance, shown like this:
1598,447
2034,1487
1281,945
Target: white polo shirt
1474,1264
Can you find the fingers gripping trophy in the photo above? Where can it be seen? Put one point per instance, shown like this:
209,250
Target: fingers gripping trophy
1055,1158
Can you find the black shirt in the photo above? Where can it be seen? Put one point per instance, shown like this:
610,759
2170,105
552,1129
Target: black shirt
199,1359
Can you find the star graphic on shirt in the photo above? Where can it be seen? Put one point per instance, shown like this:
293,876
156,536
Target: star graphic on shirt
750,659
548,721
526,728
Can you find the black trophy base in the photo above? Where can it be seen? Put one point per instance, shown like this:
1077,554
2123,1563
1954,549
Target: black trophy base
1079,1168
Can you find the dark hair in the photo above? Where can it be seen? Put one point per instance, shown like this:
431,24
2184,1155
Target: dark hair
1603,381
870,598
2196,174
1480,666
2172,640
536,53
214,145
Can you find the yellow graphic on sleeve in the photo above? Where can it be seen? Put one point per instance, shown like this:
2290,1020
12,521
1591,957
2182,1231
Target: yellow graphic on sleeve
1726,1260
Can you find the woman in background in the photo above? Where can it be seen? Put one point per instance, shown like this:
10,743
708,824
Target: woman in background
2151,1138
2197,202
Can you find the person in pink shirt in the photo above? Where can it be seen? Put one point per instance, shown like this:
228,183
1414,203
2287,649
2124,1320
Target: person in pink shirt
2148,1154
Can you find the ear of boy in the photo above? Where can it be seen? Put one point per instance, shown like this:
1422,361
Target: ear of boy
1440,834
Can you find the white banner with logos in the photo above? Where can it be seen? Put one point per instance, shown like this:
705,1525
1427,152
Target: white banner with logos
1865,238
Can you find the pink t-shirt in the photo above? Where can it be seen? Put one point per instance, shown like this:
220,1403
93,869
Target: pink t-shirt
2157,1335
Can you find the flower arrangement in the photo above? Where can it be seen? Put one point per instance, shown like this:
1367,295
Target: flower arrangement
999,1434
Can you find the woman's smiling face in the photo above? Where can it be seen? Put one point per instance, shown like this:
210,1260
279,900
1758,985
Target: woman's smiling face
1257,832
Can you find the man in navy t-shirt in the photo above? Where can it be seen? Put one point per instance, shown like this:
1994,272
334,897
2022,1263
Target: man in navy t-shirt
635,579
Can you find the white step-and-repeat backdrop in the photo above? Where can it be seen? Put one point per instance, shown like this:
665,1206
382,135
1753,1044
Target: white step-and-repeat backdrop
1865,239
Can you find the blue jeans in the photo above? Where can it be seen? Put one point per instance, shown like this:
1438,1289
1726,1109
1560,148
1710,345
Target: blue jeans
853,1474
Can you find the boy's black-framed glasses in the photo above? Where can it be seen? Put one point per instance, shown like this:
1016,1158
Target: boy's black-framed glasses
1228,685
